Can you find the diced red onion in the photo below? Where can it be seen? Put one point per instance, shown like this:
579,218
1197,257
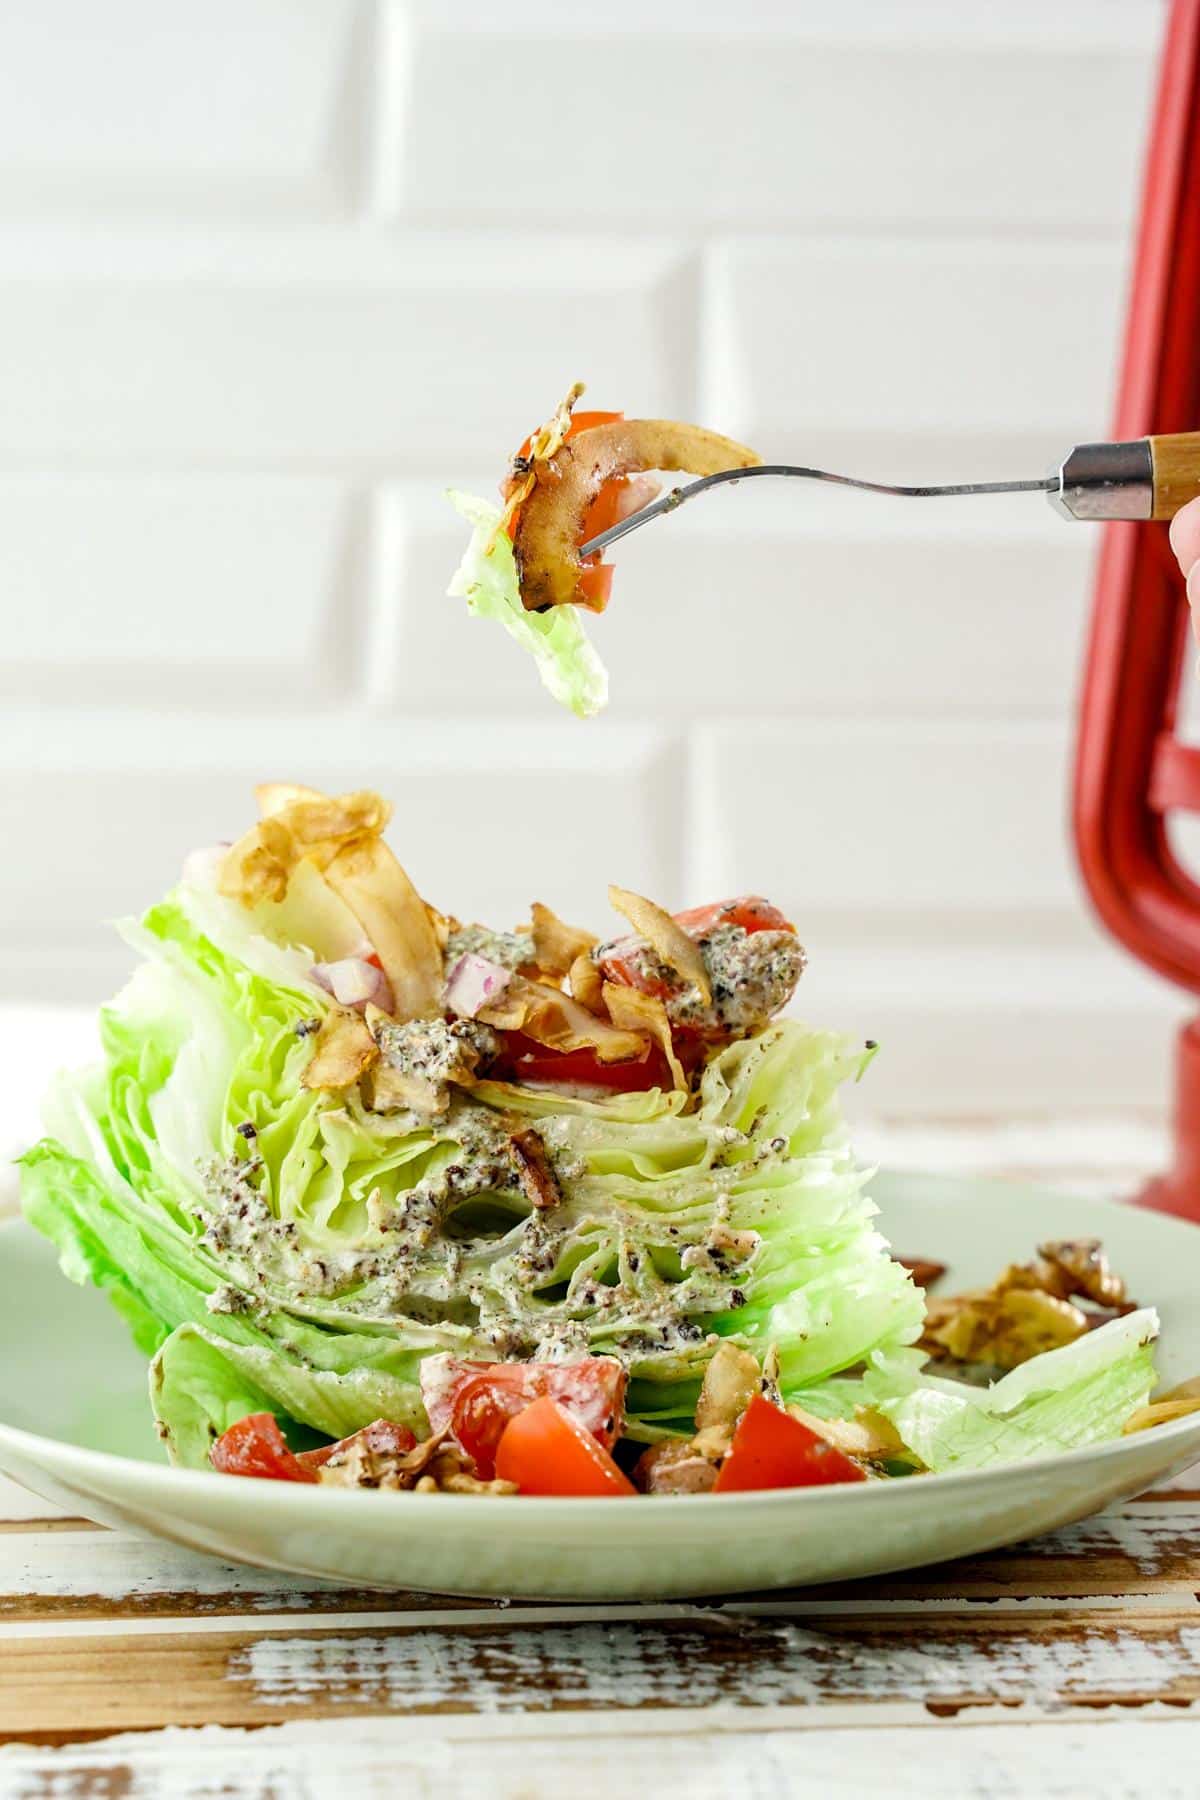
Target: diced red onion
201,868
353,982
474,983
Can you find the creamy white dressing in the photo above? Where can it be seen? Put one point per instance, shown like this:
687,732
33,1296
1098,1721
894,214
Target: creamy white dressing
436,1050
619,1279
752,974
510,949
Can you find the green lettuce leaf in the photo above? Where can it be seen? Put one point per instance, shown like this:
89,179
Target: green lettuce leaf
201,1383
487,579
1062,1400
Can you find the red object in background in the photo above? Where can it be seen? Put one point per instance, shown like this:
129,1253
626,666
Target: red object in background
1131,769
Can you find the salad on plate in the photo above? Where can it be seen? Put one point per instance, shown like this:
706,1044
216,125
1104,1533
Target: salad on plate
392,1199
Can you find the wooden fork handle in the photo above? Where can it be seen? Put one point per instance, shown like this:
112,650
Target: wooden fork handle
1175,472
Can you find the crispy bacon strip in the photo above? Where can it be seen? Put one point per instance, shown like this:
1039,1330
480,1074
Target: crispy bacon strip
343,1051
666,936
298,825
587,984
396,921
557,1020
557,945
274,796
635,1011
1005,1327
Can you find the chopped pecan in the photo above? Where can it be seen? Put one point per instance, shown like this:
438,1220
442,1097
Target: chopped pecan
923,1269
730,1382
1073,1269
538,1180
675,1467
740,1245
1082,1263
436,1465
360,1465
451,1473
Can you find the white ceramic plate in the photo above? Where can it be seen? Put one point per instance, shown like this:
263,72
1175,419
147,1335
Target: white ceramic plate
76,1429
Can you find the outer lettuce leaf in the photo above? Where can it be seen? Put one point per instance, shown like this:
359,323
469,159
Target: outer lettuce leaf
98,1242
279,941
1061,1400
487,578
195,1045
159,1284
201,1383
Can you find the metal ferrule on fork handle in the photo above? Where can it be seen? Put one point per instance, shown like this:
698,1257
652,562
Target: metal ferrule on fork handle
1144,478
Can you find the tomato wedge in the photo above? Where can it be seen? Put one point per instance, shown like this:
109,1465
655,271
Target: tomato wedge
256,1446
384,1437
546,1451
750,911
595,583
770,1449
523,1060
478,1399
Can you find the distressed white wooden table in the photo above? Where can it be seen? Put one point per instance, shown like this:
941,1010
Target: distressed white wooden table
1065,1667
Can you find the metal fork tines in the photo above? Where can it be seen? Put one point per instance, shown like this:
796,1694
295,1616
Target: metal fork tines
677,496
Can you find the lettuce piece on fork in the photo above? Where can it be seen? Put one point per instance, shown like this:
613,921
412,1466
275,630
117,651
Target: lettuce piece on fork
487,579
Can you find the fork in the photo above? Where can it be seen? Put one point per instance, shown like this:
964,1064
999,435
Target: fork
1143,478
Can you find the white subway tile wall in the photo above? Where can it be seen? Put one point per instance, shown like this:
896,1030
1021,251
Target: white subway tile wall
274,273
